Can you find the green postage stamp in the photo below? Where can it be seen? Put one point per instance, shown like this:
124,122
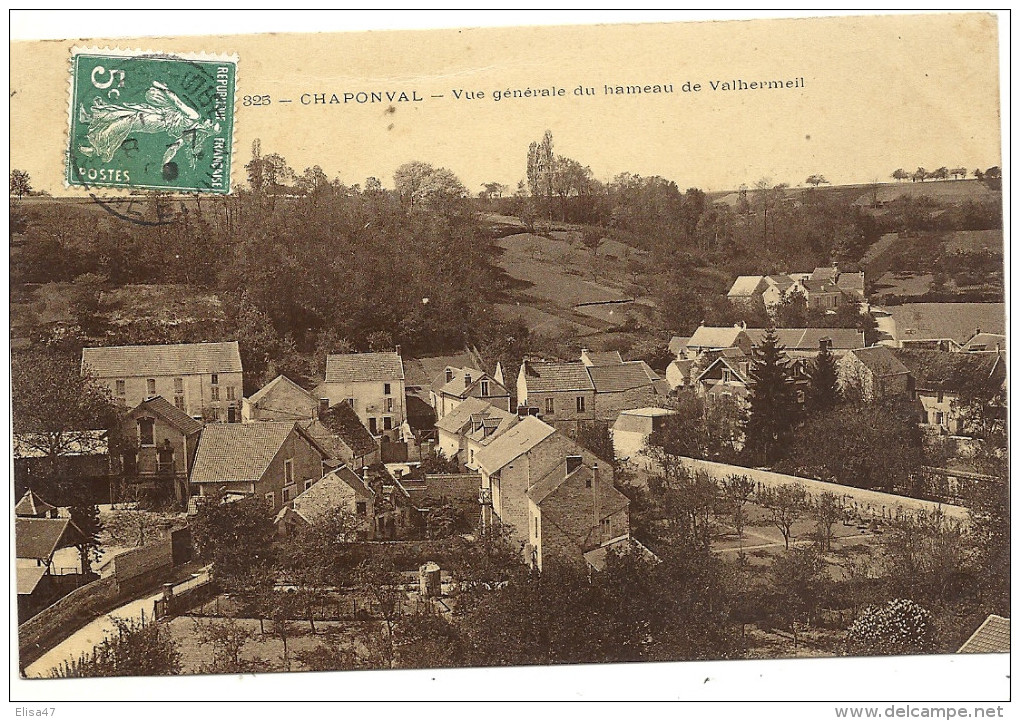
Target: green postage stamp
152,121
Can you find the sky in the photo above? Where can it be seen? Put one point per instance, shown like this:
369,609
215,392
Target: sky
878,92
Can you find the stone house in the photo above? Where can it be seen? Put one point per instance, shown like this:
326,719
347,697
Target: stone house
340,490
166,439
945,382
562,393
630,384
275,460
870,374
455,385
344,436
716,338
281,399
630,434
202,379
373,385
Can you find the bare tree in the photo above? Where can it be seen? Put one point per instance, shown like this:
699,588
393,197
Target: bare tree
785,506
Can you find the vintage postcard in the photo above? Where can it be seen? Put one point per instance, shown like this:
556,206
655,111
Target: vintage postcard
561,348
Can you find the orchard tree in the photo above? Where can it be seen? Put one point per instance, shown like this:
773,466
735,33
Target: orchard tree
785,506
816,180
21,183
774,411
900,174
827,511
424,187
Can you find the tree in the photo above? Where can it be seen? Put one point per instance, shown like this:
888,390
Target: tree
597,439
493,190
238,538
826,511
799,576
541,168
336,652
816,180
940,173
958,173
423,187
139,648
900,174
738,490
930,558
21,183
774,411
86,518
313,181
785,505
920,175
427,640
823,392
228,639
697,428
898,627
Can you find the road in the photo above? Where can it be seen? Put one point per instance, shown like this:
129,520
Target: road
88,637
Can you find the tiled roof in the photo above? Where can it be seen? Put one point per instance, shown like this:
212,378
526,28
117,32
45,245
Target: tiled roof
985,342
683,367
714,337
239,452
809,338
495,422
29,577
827,274
622,377
40,537
959,321
596,557
602,358
280,381
851,282
458,386
422,371
819,286
162,360
734,366
937,370
453,421
513,443
880,360
31,505
541,490
343,421
169,413
360,367
783,282
329,493
542,376
744,285
678,344
992,636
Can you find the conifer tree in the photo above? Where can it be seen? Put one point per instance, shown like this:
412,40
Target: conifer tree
773,410
823,393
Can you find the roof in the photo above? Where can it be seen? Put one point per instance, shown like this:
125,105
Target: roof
819,285
828,274
38,538
851,282
72,443
602,358
163,360
169,413
938,370
421,372
809,338
341,421
783,282
453,421
621,377
362,367
985,342
242,452
458,386
555,478
328,493
678,344
682,366
596,557
28,578
745,285
279,382
992,636
734,366
31,505
715,337
880,360
542,376
513,443
959,321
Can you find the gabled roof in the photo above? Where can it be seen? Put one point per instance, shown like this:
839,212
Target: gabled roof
542,376
782,282
959,321
421,372
682,366
31,506
278,383
328,493
985,342
170,413
813,285
596,557
827,273
541,490
513,443
714,336
242,452
29,578
39,538
162,360
602,358
621,377
342,421
851,283
745,286
729,363
458,385
456,419
495,422
958,372
678,344
992,636
809,338
362,367
880,360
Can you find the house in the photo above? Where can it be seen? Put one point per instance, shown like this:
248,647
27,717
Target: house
619,386
807,342
454,385
83,455
870,374
943,382
32,506
600,358
457,490
820,294
748,290
679,373
340,490
725,377
340,431
942,326
851,285
984,343
630,434
202,379
165,441
824,288
713,338
992,636
275,460
281,399
678,346
373,385
574,509
516,460
36,541
563,393
469,428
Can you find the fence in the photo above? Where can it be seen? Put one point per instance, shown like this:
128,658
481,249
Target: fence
864,502
185,597
349,609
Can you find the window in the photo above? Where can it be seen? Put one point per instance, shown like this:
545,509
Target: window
146,428
150,386
178,385
485,388
121,390
308,483
387,423
942,397
323,405
231,393
215,393
373,426
536,526
215,380
386,389
580,404
939,418
362,508
389,405
351,402
179,401
271,497
288,471
549,406
286,494
606,527
472,456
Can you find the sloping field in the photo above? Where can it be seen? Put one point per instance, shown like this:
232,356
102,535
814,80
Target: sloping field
971,241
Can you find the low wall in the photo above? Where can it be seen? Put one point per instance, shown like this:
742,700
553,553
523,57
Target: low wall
865,502
48,627
141,568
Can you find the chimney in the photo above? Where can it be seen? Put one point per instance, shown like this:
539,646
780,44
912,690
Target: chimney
449,375
467,379
397,349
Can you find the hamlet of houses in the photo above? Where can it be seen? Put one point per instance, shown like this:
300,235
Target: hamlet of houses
354,442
